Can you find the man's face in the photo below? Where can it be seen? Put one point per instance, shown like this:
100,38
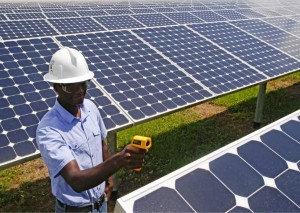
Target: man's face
72,94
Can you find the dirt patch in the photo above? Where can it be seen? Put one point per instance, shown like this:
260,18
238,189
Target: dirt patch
207,110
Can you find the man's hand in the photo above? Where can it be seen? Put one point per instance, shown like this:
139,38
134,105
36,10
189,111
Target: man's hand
133,157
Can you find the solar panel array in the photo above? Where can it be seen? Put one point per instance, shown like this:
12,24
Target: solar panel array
257,173
149,59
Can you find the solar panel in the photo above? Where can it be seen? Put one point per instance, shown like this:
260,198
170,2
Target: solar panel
209,16
61,14
282,11
286,24
282,40
21,16
266,12
119,12
257,173
140,80
164,9
258,54
213,67
183,18
118,22
151,20
231,14
92,13
25,29
250,13
144,10
76,25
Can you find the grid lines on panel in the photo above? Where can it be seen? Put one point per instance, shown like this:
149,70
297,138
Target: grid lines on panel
263,57
272,35
76,25
61,14
231,14
209,16
25,29
213,67
22,16
139,79
92,13
151,20
118,22
286,24
24,96
183,18
250,13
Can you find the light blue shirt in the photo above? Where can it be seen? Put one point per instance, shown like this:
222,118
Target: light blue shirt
61,138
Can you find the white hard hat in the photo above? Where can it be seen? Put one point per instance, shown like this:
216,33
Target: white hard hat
68,65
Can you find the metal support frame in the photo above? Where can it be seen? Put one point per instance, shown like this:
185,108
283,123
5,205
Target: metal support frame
260,104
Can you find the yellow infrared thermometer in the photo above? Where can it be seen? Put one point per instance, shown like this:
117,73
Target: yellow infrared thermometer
141,142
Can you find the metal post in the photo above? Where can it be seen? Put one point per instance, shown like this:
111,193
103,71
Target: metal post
112,145
260,104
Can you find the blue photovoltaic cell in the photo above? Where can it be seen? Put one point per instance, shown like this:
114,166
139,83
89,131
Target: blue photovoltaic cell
25,29
118,22
204,192
263,57
289,184
183,18
182,9
209,16
214,7
231,14
75,25
199,8
282,11
162,200
255,153
244,176
119,12
151,20
138,10
276,200
164,9
23,16
282,40
27,10
2,17
61,14
213,67
250,13
285,146
139,79
237,175
266,12
286,24
92,13
292,128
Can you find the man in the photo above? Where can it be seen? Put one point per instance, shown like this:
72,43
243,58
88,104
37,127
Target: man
71,139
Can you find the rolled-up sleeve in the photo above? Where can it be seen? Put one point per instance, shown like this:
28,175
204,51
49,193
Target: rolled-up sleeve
54,151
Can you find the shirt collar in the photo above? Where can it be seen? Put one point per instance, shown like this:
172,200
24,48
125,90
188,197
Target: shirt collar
67,116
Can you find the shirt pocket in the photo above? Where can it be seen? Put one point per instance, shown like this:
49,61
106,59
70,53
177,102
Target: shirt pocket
81,153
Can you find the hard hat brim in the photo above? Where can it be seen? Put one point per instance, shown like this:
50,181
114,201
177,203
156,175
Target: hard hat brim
53,79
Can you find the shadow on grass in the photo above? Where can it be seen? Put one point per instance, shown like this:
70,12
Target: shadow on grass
29,197
171,151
